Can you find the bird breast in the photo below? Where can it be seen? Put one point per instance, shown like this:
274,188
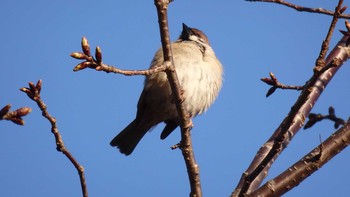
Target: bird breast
199,73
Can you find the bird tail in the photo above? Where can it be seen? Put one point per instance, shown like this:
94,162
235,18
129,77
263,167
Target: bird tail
129,137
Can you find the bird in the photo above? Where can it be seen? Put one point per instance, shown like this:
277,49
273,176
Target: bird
200,75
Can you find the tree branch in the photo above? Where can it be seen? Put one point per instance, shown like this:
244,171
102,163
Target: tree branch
167,67
97,64
185,122
302,9
309,164
320,62
268,153
33,92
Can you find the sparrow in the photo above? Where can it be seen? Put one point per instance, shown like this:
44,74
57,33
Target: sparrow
200,75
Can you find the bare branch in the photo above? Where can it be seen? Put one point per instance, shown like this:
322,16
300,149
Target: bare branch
33,92
303,9
97,64
268,153
14,116
185,121
320,62
309,164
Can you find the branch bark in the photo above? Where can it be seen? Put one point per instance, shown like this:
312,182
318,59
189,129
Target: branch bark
268,153
97,64
168,67
185,122
302,8
306,166
294,121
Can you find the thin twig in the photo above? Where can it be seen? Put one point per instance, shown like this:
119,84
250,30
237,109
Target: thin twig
269,152
309,164
273,81
33,92
303,9
185,121
314,118
320,61
97,64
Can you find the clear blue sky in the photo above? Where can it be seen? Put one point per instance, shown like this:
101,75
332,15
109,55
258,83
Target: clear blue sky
251,39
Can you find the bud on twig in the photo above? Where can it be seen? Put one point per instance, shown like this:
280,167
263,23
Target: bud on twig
23,111
25,90
273,77
347,25
269,81
78,55
32,86
85,46
18,121
342,10
4,110
39,85
98,55
82,66
271,91
331,111
28,92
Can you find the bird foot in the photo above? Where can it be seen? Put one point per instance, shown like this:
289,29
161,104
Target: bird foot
182,97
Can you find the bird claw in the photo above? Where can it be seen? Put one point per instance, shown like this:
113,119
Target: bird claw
189,125
182,97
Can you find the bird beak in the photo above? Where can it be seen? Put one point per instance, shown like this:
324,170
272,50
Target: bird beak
186,30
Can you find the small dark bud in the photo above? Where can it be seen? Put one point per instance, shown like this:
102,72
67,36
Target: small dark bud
271,91
98,54
18,121
312,116
5,109
268,81
39,85
32,86
336,125
342,10
345,33
331,111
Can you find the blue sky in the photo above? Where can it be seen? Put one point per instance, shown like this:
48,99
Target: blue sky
250,39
